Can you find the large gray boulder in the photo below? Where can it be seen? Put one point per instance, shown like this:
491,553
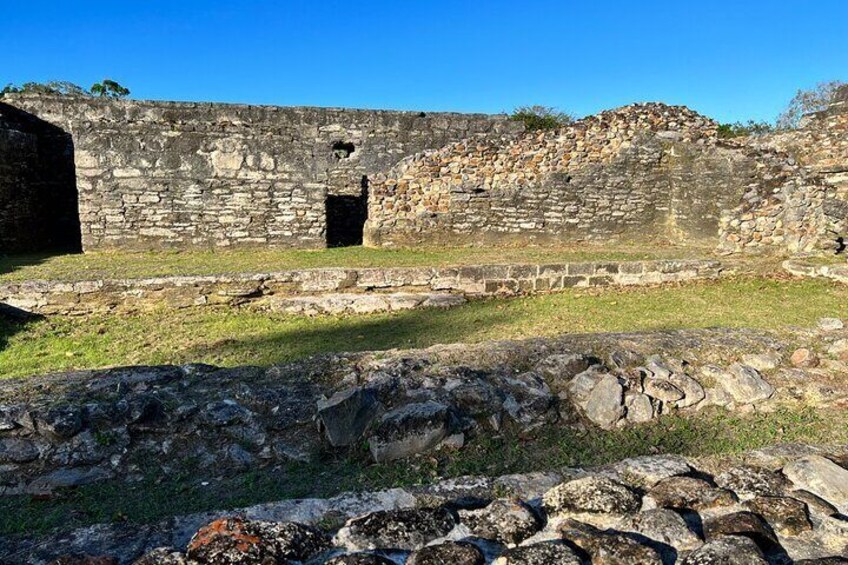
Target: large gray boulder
745,384
593,493
507,521
407,530
822,477
409,430
346,415
605,405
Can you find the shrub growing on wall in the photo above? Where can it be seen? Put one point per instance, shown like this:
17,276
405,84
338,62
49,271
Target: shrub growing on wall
740,129
541,117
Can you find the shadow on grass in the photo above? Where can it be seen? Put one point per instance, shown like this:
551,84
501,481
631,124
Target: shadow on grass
12,321
298,338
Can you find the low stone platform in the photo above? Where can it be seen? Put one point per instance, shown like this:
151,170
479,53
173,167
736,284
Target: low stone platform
780,504
269,290
79,428
807,268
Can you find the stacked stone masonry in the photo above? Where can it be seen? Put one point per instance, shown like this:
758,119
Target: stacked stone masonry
147,175
161,174
819,209
335,290
641,172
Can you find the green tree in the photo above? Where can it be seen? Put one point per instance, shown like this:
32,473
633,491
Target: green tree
60,87
109,89
541,117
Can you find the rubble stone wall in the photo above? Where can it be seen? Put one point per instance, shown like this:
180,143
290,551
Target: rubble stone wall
182,175
645,171
811,212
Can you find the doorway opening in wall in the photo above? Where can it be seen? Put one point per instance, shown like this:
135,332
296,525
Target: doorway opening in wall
346,215
45,217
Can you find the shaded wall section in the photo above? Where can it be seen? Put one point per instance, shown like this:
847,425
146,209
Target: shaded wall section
192,175
38,196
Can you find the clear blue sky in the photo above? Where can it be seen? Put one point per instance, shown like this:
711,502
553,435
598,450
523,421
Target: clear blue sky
728,59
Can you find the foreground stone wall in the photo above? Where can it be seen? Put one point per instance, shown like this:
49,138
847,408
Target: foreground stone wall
166,174
343,290
642,171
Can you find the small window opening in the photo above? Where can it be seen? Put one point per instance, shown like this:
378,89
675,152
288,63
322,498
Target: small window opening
343,149
840,245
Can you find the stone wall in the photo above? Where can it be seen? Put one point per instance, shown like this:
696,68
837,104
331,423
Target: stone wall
336,290
645,171
165,174
808,211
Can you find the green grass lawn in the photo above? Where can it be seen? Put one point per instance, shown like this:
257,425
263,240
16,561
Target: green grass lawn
227,336
158,497
134,265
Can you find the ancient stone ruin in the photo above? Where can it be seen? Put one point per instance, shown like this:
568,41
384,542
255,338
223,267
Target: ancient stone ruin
90,174
100,174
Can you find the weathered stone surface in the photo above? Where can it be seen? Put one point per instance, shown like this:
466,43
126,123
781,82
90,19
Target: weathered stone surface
410,429
727,551
347,414
162,556
608,547
748,481
591,494
61,422
742,523
560,369
543,553
396,529
745,384
762,361
457,553
804,358
605,404
648,470
15,450
662,389
692,390
689,493
822,477
508,521
830,324
787,516
664,526
639,409
233,540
